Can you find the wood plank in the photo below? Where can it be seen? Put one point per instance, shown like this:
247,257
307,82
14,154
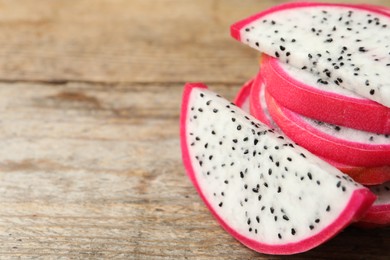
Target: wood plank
126,41
90,171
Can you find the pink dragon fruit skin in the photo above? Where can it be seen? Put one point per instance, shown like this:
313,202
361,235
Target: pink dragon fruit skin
301,92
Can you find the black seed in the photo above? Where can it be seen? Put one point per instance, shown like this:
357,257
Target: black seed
220,204
303,68
250,229
247,29
328,208
293,231
304,156
215,110
265,184
338,184
367,83
246,151
372,91
226,181
270,157
329,40
309,175
279,189
249,221
272,210
255,190
310,56
213,132
233,119
343,188
246,186
285,218
210,157
201,95
318,182
276,218
239,127
222,193
282,48
362,49
257,219
289,159
280,236
311,227
277,164
235,141
269,171
242,175
263,208
277,54
259,197
288,53
337,128
317,220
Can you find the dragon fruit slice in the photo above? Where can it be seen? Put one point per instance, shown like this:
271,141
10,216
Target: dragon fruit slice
342,144
270,194
258,106
379,213
340,43
363,175
242,98
305,94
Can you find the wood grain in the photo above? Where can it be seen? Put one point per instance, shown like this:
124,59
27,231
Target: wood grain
90,162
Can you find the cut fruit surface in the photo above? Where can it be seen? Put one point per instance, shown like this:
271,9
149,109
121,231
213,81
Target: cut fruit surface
348,43
270,194
305,94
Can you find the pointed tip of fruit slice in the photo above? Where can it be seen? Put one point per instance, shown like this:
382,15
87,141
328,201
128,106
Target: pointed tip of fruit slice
355,202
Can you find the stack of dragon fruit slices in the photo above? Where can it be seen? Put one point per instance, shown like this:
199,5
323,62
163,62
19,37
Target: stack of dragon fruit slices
304,150
346,125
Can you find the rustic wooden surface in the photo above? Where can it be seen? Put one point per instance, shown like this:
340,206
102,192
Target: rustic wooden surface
90,165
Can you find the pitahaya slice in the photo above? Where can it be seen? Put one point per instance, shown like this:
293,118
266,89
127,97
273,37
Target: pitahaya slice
342,144
307,95
363,175
242,98
270,194
342,43
257,102
379,213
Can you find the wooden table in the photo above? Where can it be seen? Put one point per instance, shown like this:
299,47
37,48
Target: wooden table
90,163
